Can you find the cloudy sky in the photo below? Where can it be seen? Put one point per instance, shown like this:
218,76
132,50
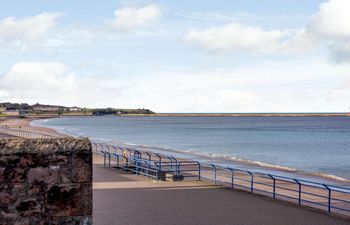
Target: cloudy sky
178,56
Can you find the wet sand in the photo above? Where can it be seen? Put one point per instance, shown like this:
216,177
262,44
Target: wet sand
126,199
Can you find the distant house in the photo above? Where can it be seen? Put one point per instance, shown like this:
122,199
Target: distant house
22,112
11,112
46,108
74,109
2,109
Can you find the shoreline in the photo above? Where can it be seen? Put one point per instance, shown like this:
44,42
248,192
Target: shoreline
244,163
247,114
24,124
238,162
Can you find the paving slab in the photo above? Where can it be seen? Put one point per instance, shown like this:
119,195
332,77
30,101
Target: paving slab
121,198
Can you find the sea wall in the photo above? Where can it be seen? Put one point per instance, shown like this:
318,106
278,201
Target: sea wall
45,181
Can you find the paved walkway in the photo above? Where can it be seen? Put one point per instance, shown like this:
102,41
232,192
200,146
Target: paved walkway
6,136
125,199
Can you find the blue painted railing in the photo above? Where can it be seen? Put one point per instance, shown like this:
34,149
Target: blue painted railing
330,198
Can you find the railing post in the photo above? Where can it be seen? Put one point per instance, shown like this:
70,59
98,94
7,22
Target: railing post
274,185
136,166
329,197
109,159
157,172
232,176
251,181
160,161
199,171
177,166
117,156
299,191
214,167
104,158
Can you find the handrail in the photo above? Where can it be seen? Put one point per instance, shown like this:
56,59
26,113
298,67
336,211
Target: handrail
329,197
27,134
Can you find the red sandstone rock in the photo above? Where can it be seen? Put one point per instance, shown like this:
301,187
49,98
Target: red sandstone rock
8,216
37,185
81,172
58,159
47,175
25,161
2,170
7,198
17,175
29,207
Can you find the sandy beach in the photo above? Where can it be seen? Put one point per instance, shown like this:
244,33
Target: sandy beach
117,192
23,124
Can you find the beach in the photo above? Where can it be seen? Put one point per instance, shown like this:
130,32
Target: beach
116,185
189,202
24,125
305,147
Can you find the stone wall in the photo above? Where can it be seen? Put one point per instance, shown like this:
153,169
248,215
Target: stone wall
45,181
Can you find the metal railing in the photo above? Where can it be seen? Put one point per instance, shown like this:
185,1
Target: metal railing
152,165
330,198
25,134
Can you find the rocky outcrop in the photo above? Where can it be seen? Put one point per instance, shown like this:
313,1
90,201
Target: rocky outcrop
45,181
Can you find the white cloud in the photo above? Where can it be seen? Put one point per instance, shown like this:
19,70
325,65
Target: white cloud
268,87
330,24
329,27
237,37
52,82
27,28
331,20
131,18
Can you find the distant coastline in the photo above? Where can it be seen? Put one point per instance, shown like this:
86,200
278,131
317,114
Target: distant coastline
220,157
246,114
8,109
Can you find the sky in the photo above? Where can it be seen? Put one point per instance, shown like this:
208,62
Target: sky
178,56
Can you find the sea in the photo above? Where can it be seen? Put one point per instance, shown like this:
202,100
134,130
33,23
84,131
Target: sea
318,146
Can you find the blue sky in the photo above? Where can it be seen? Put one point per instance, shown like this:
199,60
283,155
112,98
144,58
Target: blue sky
171,56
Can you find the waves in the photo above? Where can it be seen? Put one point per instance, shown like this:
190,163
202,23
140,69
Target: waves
261,147
224,160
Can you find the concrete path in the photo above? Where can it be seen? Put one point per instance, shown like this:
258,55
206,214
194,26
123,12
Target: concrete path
125,199
6,136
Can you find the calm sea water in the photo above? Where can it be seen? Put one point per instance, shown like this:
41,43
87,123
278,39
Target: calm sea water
310,144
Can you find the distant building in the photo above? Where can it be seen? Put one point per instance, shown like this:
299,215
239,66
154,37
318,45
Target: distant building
11,112
46,108
22,112
74,109
2,109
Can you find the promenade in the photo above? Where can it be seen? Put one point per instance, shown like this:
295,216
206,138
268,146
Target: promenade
126,199
122,198
5,135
